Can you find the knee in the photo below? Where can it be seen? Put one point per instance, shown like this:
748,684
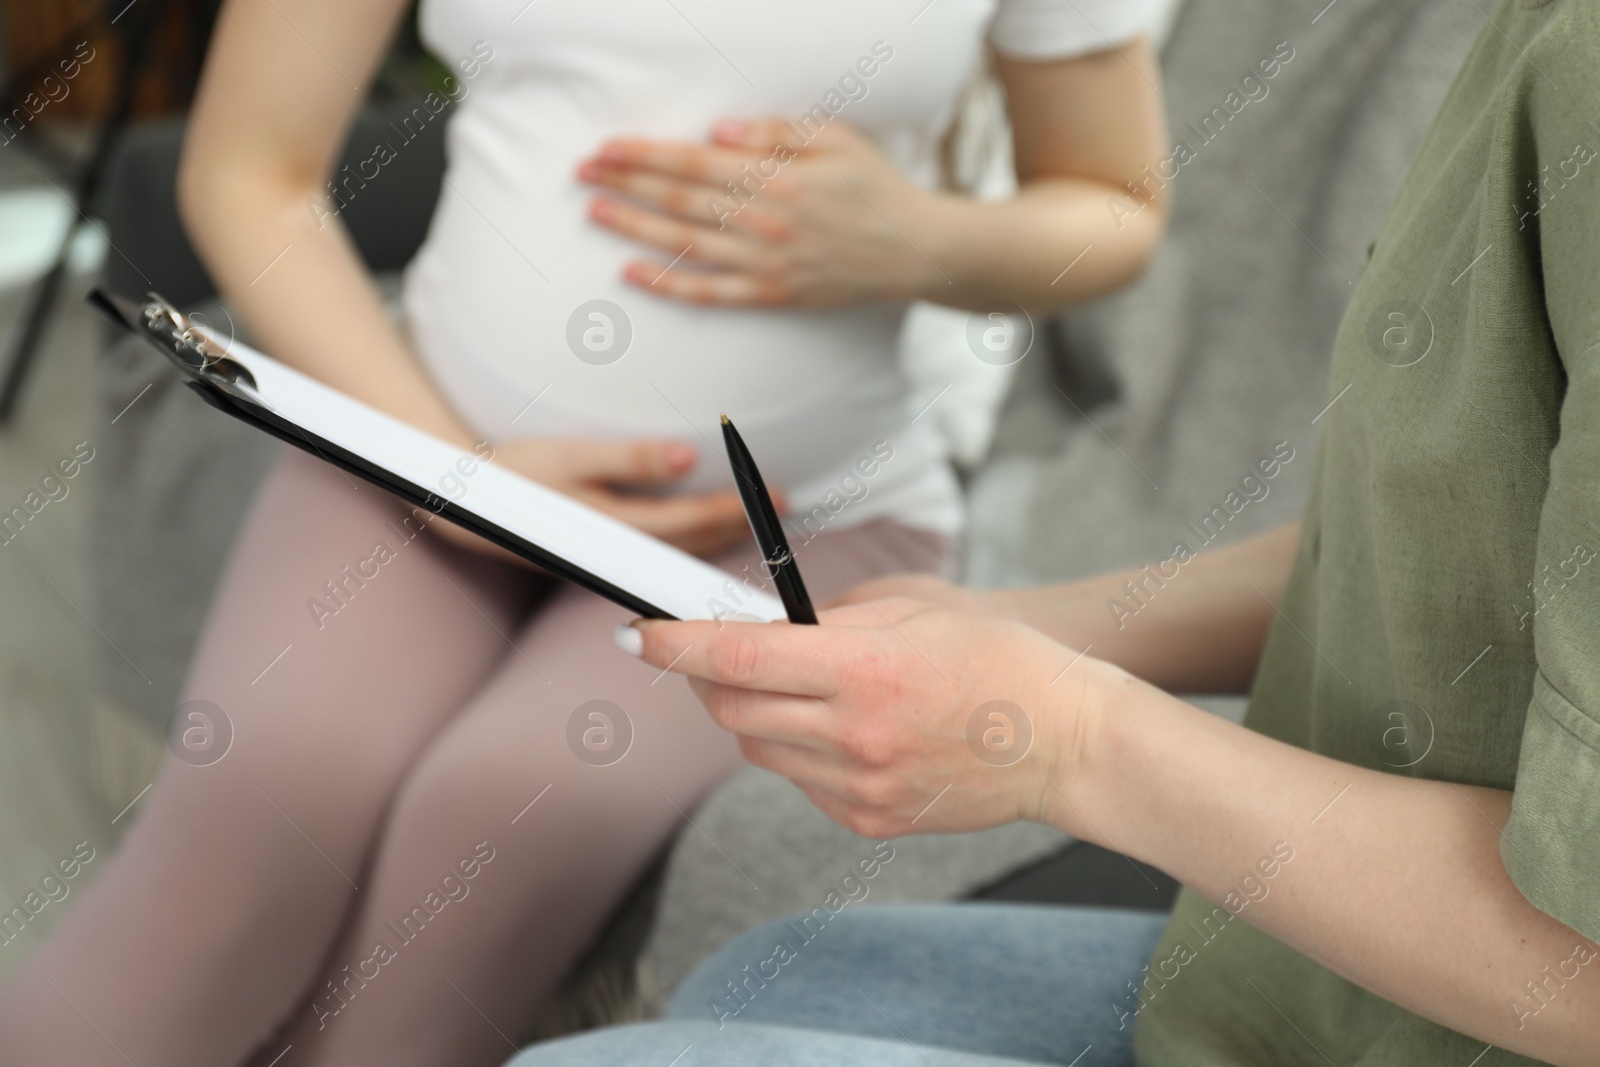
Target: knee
733,976
737,973
713,991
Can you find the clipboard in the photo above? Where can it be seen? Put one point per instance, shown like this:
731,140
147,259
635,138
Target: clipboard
629,567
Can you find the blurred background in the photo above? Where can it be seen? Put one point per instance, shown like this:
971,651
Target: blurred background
91,102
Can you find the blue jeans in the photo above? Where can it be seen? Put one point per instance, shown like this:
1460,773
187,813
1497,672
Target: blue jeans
936,985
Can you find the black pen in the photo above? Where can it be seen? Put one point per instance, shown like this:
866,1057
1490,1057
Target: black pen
776,556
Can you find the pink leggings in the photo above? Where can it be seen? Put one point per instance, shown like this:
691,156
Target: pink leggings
401,852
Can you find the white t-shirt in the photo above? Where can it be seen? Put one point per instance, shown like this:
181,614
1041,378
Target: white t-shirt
515,297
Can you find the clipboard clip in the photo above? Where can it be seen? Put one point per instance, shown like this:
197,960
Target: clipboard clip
171,331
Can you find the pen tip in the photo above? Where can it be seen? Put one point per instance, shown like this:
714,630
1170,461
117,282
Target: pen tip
724,420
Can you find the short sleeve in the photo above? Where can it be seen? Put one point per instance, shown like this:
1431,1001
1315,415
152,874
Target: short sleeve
1053,29
1550,842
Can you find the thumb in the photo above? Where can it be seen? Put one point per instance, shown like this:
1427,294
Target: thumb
628,462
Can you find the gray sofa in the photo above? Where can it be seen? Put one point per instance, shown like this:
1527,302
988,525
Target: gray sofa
1138,418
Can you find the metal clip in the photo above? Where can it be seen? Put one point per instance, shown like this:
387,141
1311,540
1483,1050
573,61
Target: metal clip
189,344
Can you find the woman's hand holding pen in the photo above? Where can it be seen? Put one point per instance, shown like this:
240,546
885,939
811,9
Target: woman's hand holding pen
817,223
885,707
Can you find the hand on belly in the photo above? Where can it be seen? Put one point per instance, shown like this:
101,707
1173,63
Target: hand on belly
766,214
601,472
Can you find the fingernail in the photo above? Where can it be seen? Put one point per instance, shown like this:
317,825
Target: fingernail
629,640
614,153
679,456
602,211
588,170
729,131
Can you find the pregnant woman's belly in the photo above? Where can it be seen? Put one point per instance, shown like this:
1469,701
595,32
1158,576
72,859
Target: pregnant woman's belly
516,307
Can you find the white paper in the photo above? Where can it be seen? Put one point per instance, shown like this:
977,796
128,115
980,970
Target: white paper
650,569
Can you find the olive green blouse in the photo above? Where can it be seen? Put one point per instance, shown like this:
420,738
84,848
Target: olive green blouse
1443,616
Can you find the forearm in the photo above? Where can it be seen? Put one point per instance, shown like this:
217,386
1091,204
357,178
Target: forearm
1087,137
1394,883
1057,243
305,293
272,108
1187,627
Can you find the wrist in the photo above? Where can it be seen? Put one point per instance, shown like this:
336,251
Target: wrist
938,221
1085,765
